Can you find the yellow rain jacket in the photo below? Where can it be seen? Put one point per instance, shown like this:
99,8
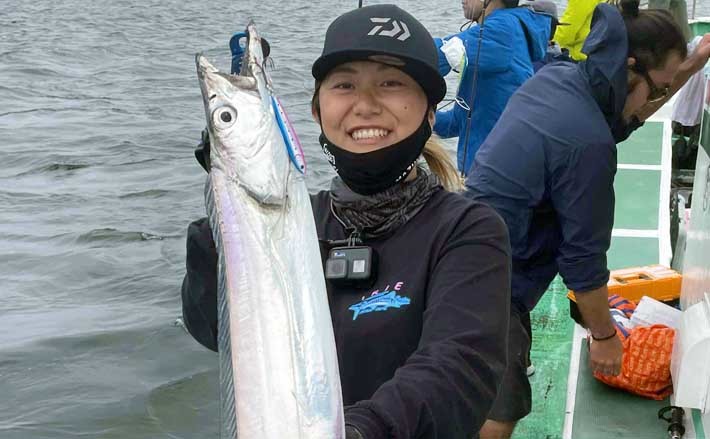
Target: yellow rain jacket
578,15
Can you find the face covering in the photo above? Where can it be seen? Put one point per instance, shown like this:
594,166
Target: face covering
622,129
372,172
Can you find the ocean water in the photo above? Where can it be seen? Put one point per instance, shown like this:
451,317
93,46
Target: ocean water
100,111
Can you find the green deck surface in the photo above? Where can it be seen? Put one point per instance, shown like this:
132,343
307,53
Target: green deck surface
552,341
632,252
636,191
612,413
643,147
700,27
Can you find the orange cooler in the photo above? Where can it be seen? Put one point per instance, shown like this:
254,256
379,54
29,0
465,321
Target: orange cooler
657,281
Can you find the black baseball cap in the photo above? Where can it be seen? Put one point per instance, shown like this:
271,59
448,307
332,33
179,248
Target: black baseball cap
377,33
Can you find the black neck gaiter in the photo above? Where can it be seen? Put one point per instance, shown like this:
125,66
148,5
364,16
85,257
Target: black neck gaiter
384,212
372,172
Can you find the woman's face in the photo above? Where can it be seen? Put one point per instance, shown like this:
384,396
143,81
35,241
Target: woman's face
366,106
640,88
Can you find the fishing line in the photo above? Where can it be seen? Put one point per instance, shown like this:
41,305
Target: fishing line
448,102
473,86
278,228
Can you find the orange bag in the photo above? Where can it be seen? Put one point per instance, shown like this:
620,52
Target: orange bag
646,362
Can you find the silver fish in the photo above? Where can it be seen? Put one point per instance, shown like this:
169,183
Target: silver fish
278,363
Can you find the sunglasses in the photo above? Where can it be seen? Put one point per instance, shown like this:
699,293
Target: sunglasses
656,93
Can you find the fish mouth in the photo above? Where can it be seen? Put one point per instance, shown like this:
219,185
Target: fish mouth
252,71
206,72
256,53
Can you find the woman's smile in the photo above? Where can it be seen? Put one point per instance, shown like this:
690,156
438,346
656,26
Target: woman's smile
369,135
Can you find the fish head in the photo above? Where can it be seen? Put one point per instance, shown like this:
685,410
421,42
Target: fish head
245,141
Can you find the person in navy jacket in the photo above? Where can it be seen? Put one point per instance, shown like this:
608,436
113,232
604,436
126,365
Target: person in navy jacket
548,168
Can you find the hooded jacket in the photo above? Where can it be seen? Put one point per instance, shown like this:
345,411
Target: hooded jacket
513,38
548,166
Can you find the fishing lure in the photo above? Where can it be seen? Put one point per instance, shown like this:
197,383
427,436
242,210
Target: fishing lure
293,145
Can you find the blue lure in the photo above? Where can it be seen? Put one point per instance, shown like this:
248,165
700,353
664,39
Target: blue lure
293,145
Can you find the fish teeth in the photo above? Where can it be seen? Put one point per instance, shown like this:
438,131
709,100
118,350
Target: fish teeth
369,133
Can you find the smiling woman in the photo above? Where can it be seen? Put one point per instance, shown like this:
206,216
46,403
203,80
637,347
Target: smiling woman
417,276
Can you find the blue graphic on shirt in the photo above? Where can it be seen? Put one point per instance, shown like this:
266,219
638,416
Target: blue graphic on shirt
379,302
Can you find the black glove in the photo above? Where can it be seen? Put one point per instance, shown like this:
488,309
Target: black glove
202,152
352,433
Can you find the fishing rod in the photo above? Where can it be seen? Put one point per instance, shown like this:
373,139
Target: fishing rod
473,86
466,26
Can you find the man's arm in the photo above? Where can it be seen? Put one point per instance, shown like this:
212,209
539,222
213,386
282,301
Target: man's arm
583,198
688,68
605,351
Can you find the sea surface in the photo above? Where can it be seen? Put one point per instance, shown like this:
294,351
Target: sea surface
100,112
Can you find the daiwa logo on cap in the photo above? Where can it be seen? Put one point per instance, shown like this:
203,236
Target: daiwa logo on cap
399,29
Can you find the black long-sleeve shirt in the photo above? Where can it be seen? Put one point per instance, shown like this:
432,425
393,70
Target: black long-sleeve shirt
422,352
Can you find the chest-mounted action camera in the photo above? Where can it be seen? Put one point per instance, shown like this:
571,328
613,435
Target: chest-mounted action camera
350,263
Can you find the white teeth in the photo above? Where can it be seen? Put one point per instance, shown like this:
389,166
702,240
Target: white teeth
369,133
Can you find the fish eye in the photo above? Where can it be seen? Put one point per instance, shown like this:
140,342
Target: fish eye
224,117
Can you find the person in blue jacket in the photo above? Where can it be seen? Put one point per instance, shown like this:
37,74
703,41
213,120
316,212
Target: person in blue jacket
512,39
554,53
548,169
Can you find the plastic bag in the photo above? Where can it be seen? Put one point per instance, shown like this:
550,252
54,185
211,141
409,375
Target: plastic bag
646,362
